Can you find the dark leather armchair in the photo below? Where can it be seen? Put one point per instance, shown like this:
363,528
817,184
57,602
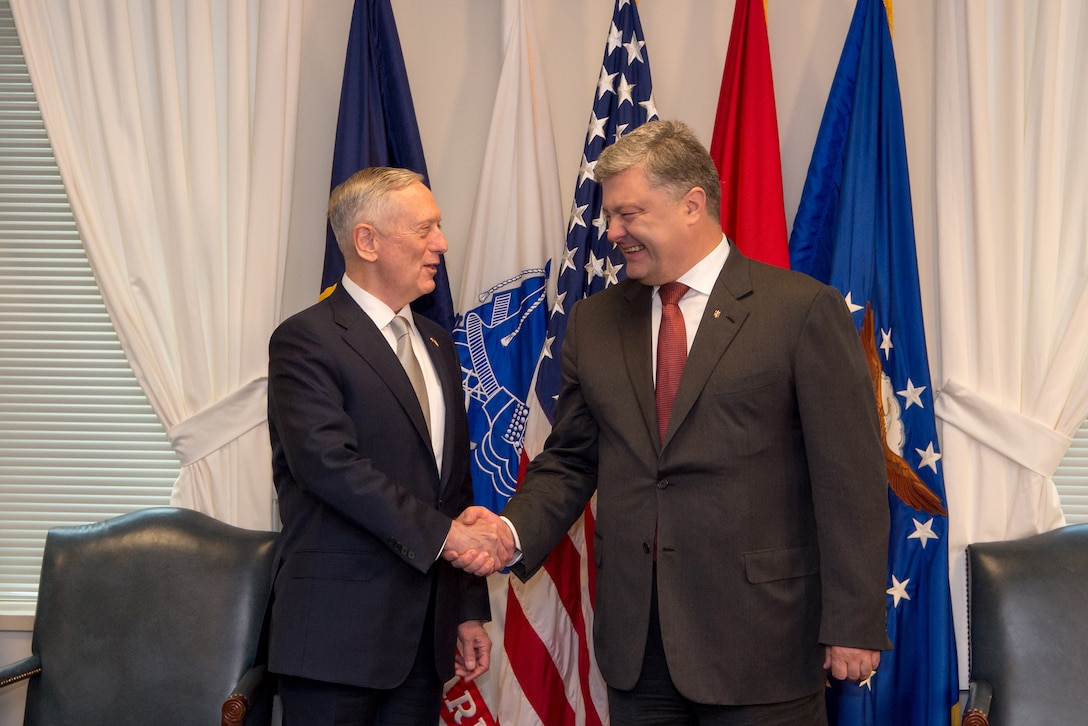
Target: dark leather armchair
150,617
1027,622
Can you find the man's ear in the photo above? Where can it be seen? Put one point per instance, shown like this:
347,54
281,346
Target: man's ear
366,241
694,202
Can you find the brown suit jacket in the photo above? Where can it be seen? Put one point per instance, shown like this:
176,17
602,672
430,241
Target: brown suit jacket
768,496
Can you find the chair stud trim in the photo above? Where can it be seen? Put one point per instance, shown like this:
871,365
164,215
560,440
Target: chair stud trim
974,717
20,677
235,709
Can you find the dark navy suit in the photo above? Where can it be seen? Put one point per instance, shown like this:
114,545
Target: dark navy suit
365,509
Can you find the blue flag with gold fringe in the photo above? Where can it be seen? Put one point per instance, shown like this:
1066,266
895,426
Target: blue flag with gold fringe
855,230
377,127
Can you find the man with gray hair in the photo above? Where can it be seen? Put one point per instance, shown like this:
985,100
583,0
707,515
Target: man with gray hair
370,459
722,411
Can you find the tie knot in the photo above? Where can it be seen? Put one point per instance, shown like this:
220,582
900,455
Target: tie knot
400,326
671,292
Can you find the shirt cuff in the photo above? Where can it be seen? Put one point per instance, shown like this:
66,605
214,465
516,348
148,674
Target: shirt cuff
517,542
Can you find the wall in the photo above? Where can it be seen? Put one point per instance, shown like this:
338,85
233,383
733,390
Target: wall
452,50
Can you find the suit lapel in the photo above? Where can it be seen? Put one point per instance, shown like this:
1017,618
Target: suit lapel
634,325
363,336
724,315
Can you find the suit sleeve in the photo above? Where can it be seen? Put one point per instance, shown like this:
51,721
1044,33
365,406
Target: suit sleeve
475,602
561,479
849,483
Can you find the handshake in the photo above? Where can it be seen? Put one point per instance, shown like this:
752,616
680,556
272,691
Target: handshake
479,542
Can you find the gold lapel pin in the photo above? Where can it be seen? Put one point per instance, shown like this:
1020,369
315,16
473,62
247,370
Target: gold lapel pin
435,342
717,313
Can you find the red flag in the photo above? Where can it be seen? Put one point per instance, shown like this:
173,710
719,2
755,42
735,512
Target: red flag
745,144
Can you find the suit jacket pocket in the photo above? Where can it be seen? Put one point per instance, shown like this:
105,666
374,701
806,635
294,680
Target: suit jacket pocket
753,382
781,564
330,565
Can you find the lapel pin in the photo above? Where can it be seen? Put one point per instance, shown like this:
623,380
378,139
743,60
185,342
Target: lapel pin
717,313
435,342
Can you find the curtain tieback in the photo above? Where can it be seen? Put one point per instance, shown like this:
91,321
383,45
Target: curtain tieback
221,423
1027,442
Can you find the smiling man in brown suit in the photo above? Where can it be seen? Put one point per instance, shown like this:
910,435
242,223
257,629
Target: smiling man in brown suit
741,539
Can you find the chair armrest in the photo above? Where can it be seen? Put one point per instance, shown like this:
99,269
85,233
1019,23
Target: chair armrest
976,712
244,695
21,670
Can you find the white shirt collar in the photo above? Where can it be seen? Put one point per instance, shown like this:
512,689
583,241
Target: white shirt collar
702,276
378,311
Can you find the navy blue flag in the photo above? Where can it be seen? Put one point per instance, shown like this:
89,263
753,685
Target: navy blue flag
623,101
855,230
377,127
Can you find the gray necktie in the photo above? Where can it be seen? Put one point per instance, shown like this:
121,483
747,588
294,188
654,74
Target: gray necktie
411,365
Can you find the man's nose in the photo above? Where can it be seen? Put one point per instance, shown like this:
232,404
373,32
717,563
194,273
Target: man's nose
440,244
616,231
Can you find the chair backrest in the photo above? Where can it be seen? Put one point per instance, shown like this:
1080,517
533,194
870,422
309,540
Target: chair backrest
149,617
1027,625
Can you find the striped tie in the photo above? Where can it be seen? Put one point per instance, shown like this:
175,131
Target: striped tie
411,365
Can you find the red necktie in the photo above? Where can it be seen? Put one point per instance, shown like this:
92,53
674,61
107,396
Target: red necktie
672,351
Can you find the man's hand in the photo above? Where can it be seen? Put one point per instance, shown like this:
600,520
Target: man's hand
850,664
473,650
479,542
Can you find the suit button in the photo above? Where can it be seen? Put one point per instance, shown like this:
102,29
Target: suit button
663,484
646,548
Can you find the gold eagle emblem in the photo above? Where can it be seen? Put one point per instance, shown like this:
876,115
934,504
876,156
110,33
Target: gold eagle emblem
902,479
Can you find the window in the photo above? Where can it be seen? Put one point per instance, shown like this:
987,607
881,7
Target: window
1072,478
78,440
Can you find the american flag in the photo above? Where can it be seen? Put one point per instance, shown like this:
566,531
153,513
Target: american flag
623,100
549,619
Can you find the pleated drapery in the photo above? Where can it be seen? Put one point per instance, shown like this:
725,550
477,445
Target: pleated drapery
1012,248
173,125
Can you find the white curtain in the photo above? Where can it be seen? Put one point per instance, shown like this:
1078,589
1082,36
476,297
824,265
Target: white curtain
173,125
1012,248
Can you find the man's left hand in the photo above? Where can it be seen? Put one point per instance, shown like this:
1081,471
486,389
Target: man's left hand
473,651
850,664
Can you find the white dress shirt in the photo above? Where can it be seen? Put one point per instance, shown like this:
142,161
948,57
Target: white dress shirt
700,280
382,316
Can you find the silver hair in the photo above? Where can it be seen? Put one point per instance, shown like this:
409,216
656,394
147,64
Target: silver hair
671,156
365,197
